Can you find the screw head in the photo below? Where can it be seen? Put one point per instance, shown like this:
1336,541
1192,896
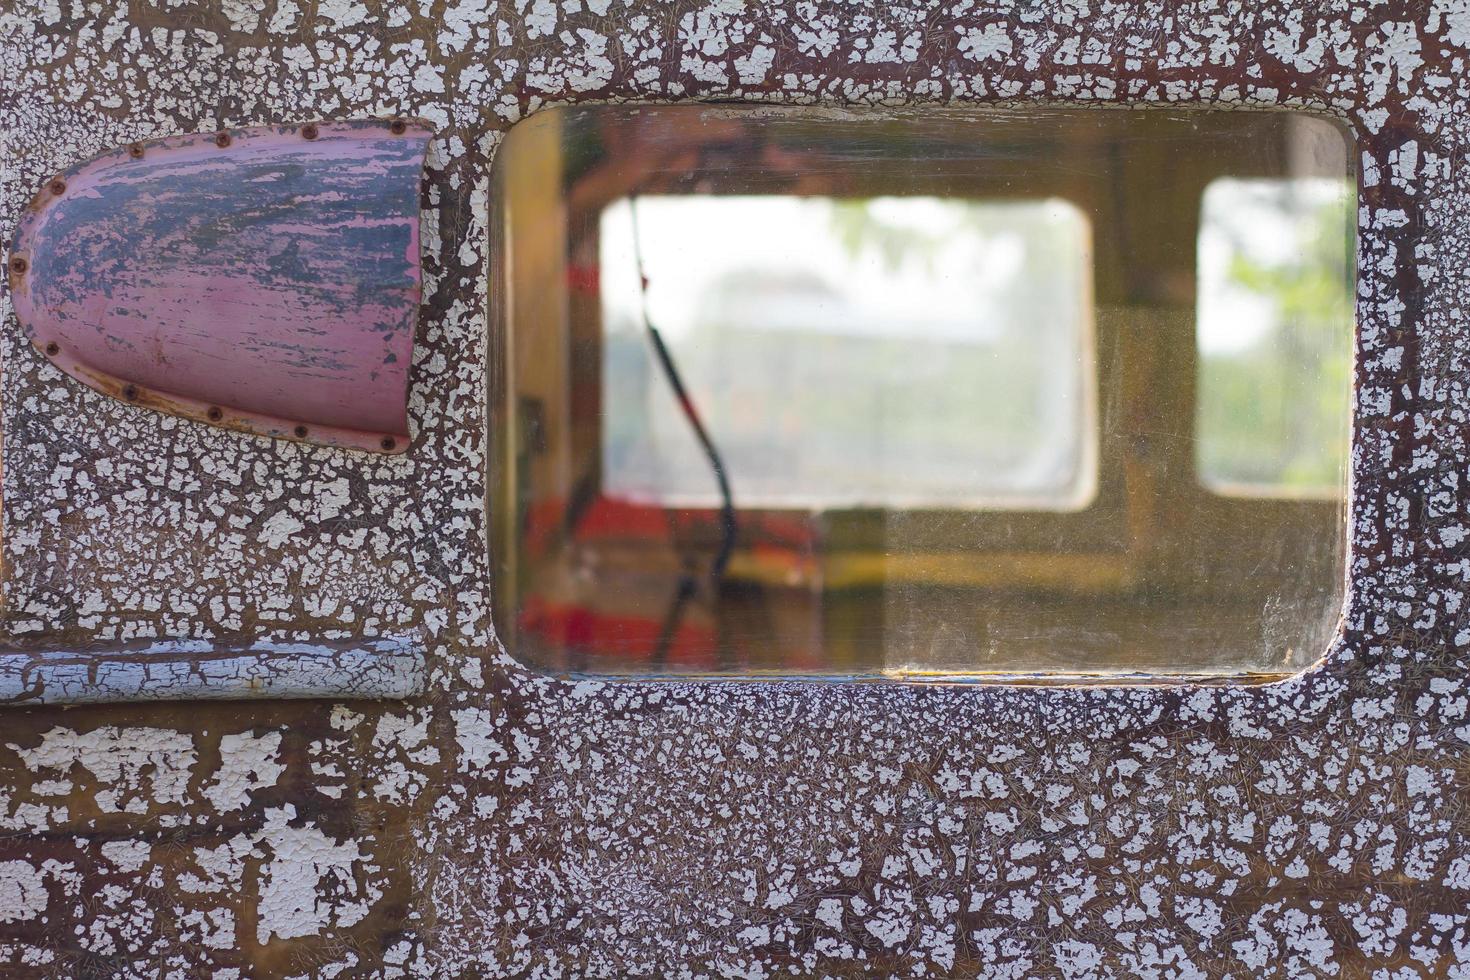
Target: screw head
19,265
135,150
130,392
309,131
389,444
52,349
215,413
301,431
222,139
398,127
56,186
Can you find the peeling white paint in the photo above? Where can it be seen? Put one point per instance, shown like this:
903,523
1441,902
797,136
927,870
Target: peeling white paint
247,763
22,892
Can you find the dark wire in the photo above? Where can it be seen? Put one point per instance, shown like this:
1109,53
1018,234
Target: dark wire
730,527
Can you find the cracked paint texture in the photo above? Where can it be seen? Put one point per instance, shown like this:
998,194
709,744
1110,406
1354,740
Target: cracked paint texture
506,824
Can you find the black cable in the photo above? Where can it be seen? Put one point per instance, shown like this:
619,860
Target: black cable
730,527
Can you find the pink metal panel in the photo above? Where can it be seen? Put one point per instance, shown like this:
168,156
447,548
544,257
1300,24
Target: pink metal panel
262,279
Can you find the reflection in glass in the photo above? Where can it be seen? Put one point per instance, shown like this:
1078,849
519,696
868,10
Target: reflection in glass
914,352
1275,288
974,415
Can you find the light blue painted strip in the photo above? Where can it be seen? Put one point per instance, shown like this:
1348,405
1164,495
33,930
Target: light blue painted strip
191,670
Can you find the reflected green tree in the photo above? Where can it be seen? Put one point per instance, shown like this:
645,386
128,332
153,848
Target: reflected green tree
1273,414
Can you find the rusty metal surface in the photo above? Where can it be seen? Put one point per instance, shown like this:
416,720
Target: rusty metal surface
264,279
504,824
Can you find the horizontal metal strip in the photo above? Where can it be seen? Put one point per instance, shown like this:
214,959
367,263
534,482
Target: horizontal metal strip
195,670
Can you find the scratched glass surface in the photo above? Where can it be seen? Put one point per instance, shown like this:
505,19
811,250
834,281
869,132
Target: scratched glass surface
952,394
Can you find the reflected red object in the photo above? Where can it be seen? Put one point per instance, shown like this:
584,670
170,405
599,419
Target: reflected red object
607,518
584,278
593,633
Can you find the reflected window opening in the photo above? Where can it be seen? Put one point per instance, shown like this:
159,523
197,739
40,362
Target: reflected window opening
897,352
1275,362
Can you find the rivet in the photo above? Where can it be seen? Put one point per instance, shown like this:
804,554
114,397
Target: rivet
389,444
301,432
130,392
398,127
52,349
222,139
19,265
57,186
215,413
309,131
135,150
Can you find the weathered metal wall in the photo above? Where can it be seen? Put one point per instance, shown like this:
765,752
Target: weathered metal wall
509,824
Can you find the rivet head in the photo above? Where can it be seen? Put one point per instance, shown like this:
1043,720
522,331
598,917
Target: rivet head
130,392
135,150
309,131
398,127
215,413
57,186
52,349
19,265
301,431
389,444
222,139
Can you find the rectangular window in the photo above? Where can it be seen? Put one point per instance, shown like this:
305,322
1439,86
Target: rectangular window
937,394
878,352
1275,364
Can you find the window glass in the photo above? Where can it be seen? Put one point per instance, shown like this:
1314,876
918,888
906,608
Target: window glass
1275,291
893,351
945,394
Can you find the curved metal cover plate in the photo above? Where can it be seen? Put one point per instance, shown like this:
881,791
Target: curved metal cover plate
262,279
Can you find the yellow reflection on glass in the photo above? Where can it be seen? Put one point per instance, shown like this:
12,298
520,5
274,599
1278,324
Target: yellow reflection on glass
959,393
